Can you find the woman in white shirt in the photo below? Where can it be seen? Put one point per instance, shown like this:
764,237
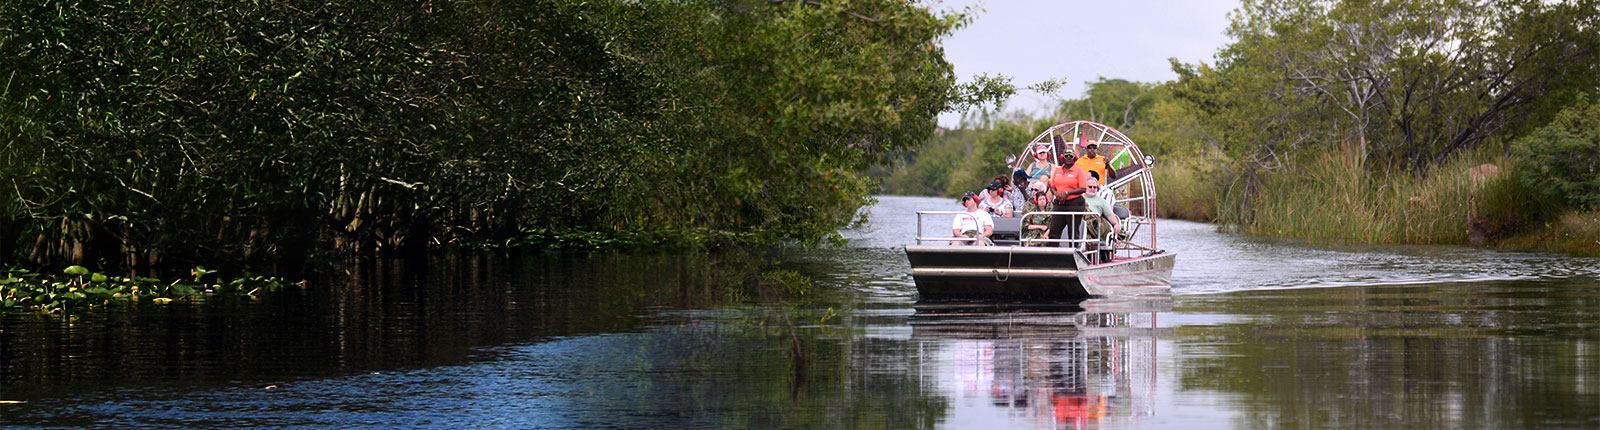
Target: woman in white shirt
995,202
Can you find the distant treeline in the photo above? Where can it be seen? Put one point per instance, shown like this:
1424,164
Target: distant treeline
1347,120
252,134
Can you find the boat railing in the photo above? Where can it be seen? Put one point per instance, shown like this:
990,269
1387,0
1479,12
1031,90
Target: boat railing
952,239
1082,227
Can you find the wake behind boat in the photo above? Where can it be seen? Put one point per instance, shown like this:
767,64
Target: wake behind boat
1087,258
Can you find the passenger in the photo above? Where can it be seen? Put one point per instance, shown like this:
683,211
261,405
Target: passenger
1039,171
1017,192
1098,205
1093,162
1037,226
984,193
1106,193
972,224
996,203
1067,181
1099,226
1110,196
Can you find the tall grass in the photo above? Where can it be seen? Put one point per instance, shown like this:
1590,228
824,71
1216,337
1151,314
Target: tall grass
1187,188
1334,196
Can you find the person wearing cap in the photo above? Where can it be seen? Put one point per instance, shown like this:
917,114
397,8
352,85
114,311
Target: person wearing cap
1040,169
1017,191
982,195
995,203
973,223
1067,181
1091,161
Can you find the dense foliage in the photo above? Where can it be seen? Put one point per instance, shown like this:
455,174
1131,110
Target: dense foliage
1348,120
1562,160
1409,84
251,133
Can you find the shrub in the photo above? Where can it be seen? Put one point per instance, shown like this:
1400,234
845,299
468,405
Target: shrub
1562,160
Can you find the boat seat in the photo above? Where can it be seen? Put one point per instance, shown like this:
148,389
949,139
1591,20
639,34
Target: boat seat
1007,228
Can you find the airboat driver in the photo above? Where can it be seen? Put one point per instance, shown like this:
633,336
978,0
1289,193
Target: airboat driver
1091,161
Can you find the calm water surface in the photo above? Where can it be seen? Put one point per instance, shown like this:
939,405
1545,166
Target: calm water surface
1257,333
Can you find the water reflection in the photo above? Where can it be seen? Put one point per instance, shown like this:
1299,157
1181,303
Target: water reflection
377,315
1456,355
1258,334
1088,365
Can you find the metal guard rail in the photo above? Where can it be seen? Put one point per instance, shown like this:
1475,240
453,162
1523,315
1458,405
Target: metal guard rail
1083,229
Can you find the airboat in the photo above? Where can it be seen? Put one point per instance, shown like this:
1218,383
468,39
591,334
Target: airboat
1077,265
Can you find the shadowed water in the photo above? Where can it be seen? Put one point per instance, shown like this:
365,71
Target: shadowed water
1257,333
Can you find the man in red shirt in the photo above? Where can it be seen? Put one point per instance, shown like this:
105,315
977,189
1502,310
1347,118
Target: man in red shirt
1068,183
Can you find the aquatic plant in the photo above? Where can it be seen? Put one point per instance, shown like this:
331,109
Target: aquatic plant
78,288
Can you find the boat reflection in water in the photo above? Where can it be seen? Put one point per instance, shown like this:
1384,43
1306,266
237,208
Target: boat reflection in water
1085,365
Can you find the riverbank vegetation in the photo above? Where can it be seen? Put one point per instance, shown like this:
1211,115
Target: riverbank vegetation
1409,122
257,136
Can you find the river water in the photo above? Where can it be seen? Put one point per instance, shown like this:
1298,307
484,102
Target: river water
1257,333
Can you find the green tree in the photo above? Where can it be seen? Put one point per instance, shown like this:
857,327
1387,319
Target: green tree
252,134
1408,84
1562,159
1118,103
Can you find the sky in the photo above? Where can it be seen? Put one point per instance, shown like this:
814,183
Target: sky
1081,41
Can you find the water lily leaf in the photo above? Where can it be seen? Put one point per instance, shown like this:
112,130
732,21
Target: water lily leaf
97,278
76,270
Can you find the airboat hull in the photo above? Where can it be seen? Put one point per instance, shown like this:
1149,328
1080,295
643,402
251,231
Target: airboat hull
1151,274
944,272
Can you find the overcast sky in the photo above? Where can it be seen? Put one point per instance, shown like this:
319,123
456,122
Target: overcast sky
1080,41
